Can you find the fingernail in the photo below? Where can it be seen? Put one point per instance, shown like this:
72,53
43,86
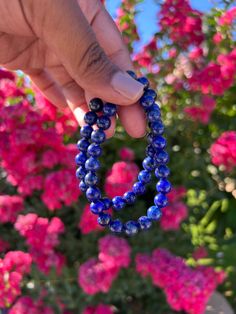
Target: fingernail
125,85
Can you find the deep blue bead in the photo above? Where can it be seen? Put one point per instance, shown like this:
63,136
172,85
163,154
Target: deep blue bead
158,142
157,127
144,176
144,222
138,188
92,164
162,157
143,80
80,158
81,172
104,122
150,138
162,171
163,186
93,193
83,144
90,117
129,197
150,151
154,213
154,115
98,136
97,207
96,104
104,219
148,163
118,202
116,226
132,74
160,200
131,227
94,150
86,131
146,101
82,186
107,202
151,93
109,109
91,178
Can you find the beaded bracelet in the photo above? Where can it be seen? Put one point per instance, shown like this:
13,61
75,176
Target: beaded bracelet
155,160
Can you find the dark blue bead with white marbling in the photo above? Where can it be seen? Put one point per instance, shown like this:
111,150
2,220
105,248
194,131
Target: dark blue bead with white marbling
107,202
109,109
160,200
82,186
144,222
163,186
138,188
98,136
116,226
162,171
118,202
132,74
153,115
91,178
148,163
129,197
93,193
104,219
158,142
162,157
96,104
154,213
86,131
144,176
157,127
94,150
81,172
150,151
97,207
143,80
131,228
92,164
104,122
83,145
150,92
80,159
90,118
146,101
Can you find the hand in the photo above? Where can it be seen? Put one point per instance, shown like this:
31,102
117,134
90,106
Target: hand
73,52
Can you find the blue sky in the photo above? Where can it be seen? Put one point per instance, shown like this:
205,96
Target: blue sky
146,20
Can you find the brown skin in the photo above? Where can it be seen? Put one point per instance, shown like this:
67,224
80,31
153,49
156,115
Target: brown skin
71,49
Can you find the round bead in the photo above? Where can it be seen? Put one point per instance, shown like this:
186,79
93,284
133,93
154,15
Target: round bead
146,101
104,219
151,93
107,202
90,118
150,138
132,74
157,127
148,163
144,176
94,150
97,207
161,200
103,122
83,144
143,80
93,193
150,151
153,115
118,202
162,157
144,222
86,131
154,213
116,226
163,186
96,104
83,187
81,172
138,188
162,171
98,136
80,159
158,142
92,164
129,197
131,228
91,178
109,109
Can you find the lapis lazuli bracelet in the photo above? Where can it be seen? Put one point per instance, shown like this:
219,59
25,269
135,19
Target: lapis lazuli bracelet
155,161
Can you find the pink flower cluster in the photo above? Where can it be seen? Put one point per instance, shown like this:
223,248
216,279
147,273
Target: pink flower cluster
99,309
97,275
25,305
223,150
88,221
181,22
121,178
228,17
176,211
42,238
186,289
203,112
10,206
33,153
215,78
12,269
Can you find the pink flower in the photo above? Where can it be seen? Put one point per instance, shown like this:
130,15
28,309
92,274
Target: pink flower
223,150
114,251
143,264
203,112
200,253
195,53
95,276
23,304
10,206
99,309
217,38
228,17
126,154
88,221
121,178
